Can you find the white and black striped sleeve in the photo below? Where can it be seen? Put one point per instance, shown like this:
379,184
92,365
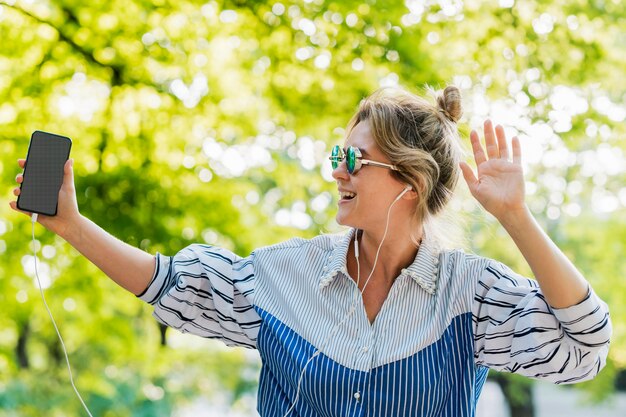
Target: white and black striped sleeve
207,291
515,330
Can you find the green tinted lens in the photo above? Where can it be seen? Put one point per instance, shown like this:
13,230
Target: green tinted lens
335,157
351,159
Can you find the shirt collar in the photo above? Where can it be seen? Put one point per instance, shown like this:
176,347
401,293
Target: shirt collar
423,270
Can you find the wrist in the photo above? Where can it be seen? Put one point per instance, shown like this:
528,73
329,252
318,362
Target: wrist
517,219
70,229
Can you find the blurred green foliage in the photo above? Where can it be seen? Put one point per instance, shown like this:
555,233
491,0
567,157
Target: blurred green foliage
210,122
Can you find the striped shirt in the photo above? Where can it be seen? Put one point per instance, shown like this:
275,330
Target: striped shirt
448,318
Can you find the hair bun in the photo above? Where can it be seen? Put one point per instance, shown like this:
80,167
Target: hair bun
449,102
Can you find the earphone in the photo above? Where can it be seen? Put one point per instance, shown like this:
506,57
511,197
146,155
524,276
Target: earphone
406,190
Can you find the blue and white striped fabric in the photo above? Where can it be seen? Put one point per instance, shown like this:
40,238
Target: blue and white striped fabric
448,318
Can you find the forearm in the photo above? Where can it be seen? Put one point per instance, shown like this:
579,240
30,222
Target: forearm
129,267
560,281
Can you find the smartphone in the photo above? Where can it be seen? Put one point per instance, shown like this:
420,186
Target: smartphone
43,173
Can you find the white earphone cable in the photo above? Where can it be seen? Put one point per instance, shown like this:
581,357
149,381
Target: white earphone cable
354,302
334,330
67,360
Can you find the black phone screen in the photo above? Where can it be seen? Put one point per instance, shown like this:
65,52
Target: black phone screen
43,173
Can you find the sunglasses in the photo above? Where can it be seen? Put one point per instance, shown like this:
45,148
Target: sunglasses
354,159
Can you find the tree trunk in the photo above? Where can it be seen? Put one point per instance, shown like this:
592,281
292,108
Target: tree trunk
20,348
163,330
518,393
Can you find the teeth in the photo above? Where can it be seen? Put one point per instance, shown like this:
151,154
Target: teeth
346,195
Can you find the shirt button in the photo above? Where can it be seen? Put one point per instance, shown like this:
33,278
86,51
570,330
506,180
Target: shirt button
365,349
357,395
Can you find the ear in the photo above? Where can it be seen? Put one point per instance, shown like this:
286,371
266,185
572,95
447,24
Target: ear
408,193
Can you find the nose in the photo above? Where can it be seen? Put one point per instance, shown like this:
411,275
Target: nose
341,172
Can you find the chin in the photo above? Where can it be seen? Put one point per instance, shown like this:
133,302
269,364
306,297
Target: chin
343,221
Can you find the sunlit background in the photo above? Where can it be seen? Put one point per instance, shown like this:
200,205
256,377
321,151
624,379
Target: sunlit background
211,122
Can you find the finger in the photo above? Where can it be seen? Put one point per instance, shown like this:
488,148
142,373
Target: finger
490,140
17,191
21,162
479,153
13,205
469,176
517,150
502,146
19,178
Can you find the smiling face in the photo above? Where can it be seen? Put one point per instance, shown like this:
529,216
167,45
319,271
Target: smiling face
366,196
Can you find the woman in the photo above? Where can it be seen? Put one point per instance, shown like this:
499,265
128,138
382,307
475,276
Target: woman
379,321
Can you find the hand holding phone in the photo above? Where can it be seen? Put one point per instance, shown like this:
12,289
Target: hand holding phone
59,209
43,173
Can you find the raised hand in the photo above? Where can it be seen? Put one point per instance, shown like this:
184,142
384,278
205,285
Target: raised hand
499,185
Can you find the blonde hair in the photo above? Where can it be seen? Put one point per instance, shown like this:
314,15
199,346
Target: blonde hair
421,138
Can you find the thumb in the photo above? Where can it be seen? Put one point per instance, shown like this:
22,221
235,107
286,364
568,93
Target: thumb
68,172
469,176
